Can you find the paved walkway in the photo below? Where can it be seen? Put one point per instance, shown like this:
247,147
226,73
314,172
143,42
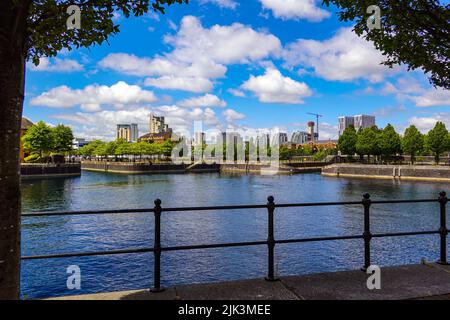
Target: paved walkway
430,281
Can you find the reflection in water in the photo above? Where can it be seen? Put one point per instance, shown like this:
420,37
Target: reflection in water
109,191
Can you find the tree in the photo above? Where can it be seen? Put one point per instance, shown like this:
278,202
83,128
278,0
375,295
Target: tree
39,139
389,142
437,140
412,142
89,149
29,30
414,33
367,143
347,141
62,138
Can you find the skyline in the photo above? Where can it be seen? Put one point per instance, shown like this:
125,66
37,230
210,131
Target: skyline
232,67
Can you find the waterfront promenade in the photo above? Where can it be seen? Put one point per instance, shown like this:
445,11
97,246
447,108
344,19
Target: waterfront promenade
422,281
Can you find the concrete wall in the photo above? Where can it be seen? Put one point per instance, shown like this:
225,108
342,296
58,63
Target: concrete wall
34,171
139,168
283,168
426,173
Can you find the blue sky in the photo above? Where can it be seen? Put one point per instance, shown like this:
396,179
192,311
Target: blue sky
231,64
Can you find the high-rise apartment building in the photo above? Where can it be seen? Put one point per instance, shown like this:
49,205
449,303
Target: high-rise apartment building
158,125
359,122
128,132
364,121
199,138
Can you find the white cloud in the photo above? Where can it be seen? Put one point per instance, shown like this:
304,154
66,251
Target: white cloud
161,66
296,9
432,97
208,100
191,84
236,43
273,87
344,57
199,53
425,124
421,93
102,124
228,4
236,92
56,65
232,115
93,96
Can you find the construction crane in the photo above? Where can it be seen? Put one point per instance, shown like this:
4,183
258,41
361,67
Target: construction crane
317,122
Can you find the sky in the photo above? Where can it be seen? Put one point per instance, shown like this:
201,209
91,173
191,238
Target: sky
253,64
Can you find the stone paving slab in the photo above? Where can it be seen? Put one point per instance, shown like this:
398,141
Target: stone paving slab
429,281
397,283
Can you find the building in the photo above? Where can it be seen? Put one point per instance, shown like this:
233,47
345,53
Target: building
25,125
128,132
78,143
312,134
199,138
232,138
364,121
344,123
358,121
156,137
158,125
280,138
300,137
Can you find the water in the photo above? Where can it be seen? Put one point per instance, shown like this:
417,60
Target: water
44,278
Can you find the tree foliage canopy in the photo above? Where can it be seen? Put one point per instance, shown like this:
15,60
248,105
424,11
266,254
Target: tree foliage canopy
413,32
348,140
43,139
367,143
437,140
412,142
389,142
38,138
62,138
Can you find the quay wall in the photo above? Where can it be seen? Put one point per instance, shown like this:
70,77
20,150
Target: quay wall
405,172
139,168
38,171
267,169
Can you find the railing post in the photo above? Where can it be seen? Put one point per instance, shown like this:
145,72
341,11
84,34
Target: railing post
271,239
367,234
443,229
157,249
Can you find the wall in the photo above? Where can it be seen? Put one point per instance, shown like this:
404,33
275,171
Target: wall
430,173
34,171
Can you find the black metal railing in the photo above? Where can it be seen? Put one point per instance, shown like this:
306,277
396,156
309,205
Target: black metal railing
271,242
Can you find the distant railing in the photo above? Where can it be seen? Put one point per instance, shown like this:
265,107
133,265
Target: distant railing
157,249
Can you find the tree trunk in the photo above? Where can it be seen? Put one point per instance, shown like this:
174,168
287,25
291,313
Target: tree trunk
12,81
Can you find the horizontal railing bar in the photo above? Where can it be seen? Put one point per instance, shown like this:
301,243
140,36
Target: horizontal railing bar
318,239
212,208
317,204
238,207
77,213
87,254
224,245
